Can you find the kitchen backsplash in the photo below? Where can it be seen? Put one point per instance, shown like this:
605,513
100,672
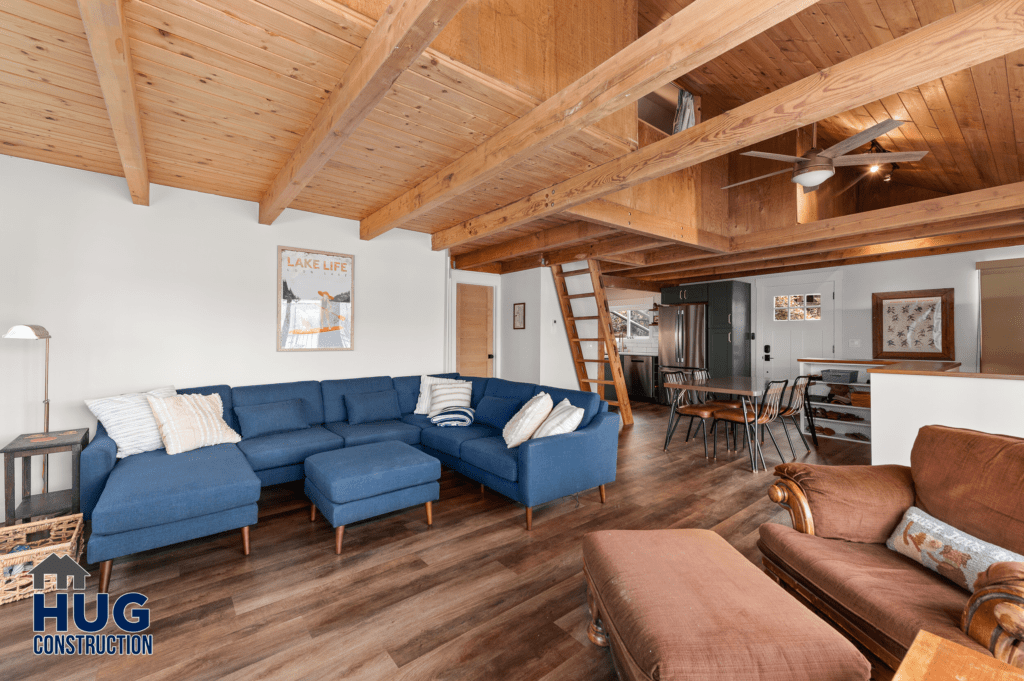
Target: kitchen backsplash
638,346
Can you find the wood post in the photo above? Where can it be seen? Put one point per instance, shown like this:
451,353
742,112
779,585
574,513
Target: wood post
339,534
430,514
529,518
603,497
105,568
245,540
312,512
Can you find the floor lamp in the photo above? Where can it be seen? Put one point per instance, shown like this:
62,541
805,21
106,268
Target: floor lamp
34,332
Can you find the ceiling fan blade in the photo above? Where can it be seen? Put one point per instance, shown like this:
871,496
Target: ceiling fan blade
861,138
760,177
871,159
773,157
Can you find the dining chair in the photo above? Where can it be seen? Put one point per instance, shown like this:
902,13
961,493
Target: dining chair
689,403
769,411
797,399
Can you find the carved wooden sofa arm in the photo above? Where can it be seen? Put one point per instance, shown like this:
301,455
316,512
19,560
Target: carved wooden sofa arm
854,503
994,616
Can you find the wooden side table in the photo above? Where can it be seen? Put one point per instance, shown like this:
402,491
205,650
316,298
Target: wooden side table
47,503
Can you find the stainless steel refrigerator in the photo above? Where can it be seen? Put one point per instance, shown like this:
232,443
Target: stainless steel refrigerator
682,336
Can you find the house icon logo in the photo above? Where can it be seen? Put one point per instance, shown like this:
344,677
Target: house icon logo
63,567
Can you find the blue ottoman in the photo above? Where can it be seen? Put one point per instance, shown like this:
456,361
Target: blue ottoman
357,483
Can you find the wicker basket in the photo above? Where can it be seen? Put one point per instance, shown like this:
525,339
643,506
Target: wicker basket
62,536
839,375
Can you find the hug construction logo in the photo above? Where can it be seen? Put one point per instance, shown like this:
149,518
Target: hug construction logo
127,613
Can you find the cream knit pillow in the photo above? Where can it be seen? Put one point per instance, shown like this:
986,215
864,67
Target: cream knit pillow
188,422
423,402
564,418
445,395
527,420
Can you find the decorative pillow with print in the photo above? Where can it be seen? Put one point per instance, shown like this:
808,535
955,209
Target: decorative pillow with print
938,546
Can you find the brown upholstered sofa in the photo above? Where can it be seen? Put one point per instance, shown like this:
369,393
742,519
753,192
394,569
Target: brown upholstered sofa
835,559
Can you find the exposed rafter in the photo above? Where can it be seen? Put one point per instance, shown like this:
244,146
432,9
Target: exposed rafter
619,249
405,30
702,31
107,30
612,281
974,35
612,214
555,237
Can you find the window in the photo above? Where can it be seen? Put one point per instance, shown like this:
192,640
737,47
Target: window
806,307
631,323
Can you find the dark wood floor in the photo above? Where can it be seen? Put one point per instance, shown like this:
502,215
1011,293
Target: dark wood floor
475,597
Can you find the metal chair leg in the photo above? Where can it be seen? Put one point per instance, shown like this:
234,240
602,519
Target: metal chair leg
673,421
704,430
772,436
750,450
714,438
796,424
785,429
688,428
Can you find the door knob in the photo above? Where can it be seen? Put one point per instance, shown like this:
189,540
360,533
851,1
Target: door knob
490,356
767,358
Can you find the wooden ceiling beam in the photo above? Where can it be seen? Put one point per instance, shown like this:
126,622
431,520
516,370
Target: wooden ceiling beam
553,237
704,30
612,281
612,214
668,254
619,249
107,31
985,31
918,246
403,32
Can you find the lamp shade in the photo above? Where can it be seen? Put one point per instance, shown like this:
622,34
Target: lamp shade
27,332
812,178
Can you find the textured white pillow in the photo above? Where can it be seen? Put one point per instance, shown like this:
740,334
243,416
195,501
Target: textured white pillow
564,418
527,420
188,422
444,395
426,382
129,420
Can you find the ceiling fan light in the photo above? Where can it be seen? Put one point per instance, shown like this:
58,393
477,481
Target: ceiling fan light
875,168
812,178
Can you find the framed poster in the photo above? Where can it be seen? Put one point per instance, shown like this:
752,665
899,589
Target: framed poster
519,316
913,325
314,299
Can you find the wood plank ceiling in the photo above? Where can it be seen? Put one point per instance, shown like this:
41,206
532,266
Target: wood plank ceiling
227,88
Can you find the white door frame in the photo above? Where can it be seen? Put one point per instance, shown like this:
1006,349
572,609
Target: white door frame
761,285
453,278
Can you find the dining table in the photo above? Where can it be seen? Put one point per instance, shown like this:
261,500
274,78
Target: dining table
748,389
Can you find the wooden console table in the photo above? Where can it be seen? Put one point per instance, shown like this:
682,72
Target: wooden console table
48,503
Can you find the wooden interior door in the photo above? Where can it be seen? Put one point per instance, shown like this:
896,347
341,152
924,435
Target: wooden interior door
474,330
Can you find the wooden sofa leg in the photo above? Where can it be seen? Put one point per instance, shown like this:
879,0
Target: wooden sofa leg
105,568
595,630
603,496
245,540
529,518
430,514
482,490
339,534
312,512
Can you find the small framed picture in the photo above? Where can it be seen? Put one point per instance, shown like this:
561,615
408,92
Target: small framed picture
913,325
519,316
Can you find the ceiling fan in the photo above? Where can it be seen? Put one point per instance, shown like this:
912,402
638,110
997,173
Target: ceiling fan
816,166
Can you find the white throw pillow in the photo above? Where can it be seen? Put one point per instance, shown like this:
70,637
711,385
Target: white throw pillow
527,420
129,420
426,382
564,418
188,422
444,395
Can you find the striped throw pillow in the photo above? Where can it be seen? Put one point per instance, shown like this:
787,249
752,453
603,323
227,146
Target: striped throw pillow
454,416
445,395
564,418
129,420
188,422
423,401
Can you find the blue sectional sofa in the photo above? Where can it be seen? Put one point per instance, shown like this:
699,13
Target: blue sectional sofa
151,499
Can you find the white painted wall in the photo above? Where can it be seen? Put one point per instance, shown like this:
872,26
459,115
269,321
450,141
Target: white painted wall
182,292
903,404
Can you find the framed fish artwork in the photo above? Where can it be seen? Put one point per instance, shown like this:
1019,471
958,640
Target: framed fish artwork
913,325
314,306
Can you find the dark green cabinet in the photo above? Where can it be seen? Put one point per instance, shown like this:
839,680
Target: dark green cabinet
679,295
728,322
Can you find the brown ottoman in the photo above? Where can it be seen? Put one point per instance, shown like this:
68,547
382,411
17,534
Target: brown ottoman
684,604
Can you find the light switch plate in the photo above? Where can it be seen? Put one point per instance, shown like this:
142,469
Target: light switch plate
855,342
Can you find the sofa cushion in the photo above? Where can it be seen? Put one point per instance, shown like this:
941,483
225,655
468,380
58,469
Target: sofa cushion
356,434
282,449
408,388
225,399
509,390
496,411
154,488
588,402
370,407
888,595
334,393
370,470
307,391
492,455
449,440
972,481
273,417
418,420
479,386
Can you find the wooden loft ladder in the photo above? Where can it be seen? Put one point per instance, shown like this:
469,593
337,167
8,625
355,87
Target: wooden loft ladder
607,351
